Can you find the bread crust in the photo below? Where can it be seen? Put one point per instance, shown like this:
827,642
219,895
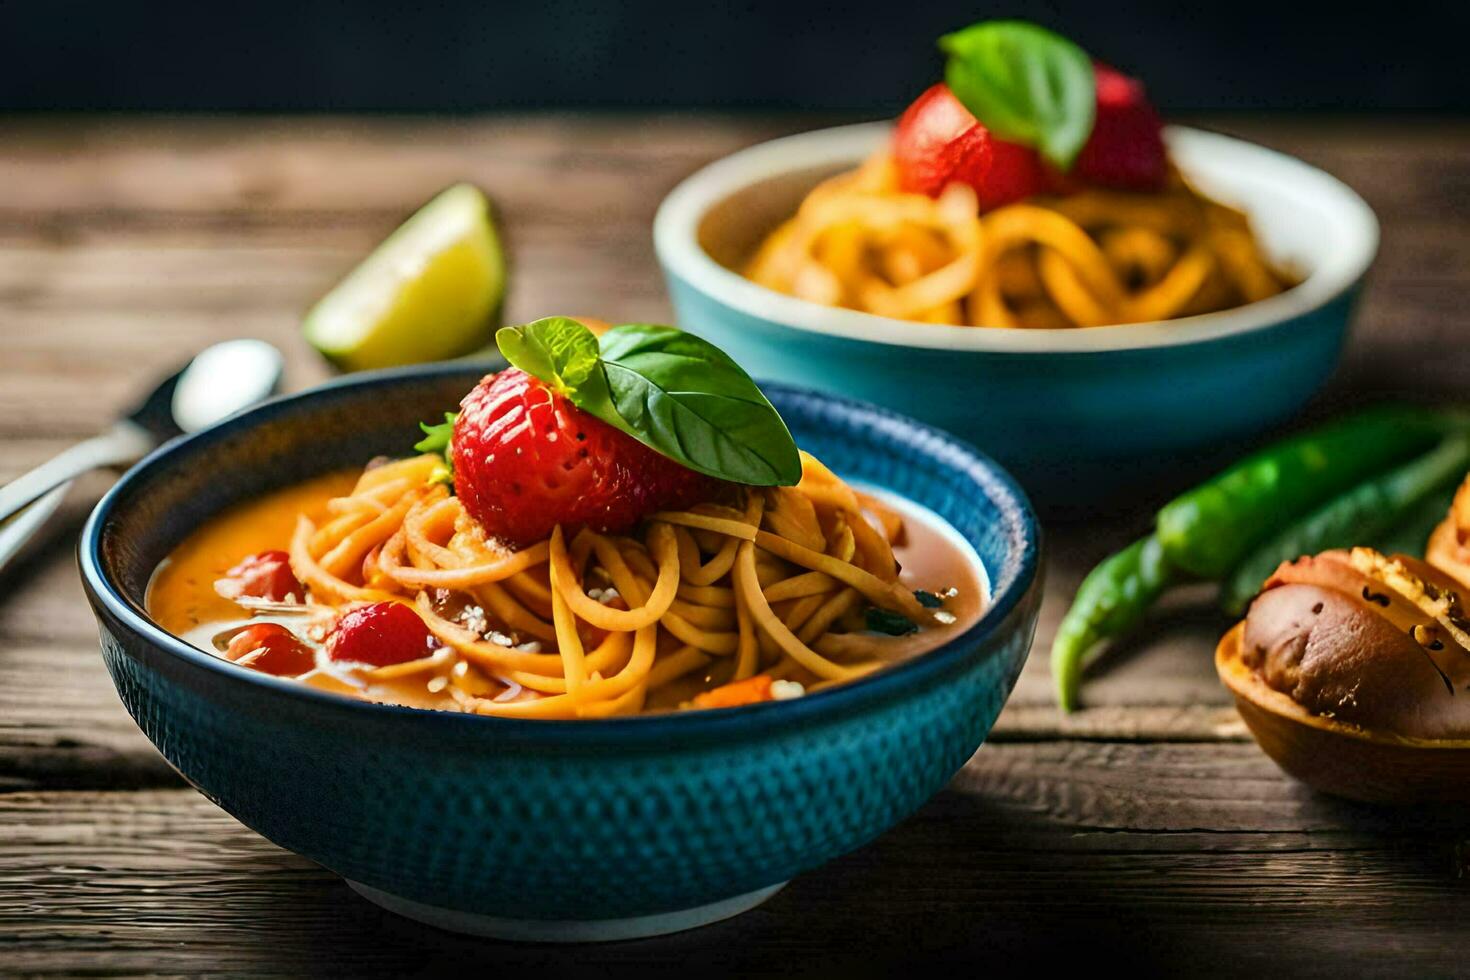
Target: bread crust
1348,647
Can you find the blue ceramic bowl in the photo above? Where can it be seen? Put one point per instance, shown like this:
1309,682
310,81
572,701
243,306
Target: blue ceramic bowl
550,829
1067,411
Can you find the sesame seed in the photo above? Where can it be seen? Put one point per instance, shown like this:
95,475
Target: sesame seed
474,619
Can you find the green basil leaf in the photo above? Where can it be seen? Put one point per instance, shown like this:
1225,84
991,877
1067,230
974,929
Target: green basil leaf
685,398
1026,84
557,349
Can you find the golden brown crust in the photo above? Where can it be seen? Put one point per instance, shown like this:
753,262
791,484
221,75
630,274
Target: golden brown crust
1449,545
1335,570
1431,593
1337,658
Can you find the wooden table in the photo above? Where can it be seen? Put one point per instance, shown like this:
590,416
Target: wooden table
1147,829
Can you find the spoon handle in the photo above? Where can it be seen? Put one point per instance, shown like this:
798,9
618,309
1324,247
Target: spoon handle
32,520
124,443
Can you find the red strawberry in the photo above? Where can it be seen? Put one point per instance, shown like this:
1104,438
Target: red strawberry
526,460
267,575
938,141
1017,174
381,634
1126,148
272,649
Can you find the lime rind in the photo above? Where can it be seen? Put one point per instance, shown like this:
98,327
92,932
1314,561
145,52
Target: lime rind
431,291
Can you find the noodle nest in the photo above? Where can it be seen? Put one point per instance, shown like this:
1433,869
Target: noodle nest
772,581
1094,258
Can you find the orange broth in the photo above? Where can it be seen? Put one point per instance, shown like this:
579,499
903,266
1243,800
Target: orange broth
182,599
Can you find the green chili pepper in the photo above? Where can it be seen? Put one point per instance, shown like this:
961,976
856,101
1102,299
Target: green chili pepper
1212,528
1361,514
1112,600
1411,535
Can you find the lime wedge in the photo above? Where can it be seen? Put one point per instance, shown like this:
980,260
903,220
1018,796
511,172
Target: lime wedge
430,292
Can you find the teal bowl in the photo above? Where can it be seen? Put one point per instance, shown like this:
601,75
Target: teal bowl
1070,412
552,830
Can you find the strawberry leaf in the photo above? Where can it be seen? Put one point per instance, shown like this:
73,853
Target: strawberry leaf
557,349
437,437
440,439
1025,84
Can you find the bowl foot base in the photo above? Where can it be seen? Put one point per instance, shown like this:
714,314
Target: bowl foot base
565,930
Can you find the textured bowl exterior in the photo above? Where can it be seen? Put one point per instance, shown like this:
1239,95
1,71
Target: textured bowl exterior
554,820
1061,421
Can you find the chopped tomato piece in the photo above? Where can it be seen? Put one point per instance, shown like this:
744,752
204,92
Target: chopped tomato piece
381,634
267,576
937,141
752,690
271,649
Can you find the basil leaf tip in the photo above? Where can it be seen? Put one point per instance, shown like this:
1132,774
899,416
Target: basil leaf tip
674,392
1024,83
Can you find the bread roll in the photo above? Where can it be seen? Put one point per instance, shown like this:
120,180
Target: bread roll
1368,639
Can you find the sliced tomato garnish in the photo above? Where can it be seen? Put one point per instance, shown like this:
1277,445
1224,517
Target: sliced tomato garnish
380,634
271,649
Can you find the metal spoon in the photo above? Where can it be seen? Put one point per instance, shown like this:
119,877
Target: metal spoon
218,382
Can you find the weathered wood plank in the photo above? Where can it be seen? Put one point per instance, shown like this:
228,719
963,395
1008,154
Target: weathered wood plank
43,594
63,725
1162,857
355,164
576,169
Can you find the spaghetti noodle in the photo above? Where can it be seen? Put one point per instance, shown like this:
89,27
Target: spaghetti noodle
1093,258
766,593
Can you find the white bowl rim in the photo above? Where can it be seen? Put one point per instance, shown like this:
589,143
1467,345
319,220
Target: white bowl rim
676,242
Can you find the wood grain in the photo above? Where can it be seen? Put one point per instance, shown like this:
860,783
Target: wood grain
1155,857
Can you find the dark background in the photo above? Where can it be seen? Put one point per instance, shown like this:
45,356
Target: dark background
864,55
